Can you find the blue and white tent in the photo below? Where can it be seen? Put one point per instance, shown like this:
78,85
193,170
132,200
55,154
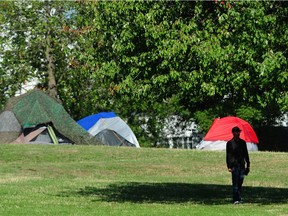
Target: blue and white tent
110,129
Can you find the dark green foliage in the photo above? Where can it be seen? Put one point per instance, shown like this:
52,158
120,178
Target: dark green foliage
198,60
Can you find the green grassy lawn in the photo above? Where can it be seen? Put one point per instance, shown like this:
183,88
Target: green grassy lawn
99,180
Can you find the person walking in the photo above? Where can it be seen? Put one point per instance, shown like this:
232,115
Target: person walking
238,163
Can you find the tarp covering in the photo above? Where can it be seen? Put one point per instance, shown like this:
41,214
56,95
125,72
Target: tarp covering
37,108
89,121
96,123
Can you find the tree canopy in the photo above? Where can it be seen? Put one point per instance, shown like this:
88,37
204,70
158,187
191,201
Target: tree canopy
147,60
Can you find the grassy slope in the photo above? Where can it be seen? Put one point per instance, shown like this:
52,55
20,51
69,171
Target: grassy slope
94,180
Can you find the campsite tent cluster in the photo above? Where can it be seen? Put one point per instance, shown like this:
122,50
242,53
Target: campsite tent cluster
35,117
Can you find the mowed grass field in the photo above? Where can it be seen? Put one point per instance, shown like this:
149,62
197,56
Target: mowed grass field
100,180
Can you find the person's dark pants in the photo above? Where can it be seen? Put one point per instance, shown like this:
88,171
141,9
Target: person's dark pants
237,181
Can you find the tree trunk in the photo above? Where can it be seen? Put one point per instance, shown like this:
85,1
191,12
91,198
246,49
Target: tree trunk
52,86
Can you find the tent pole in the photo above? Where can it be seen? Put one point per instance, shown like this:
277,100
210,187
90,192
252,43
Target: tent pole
52,135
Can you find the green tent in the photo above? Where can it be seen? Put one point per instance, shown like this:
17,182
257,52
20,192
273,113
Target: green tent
35,117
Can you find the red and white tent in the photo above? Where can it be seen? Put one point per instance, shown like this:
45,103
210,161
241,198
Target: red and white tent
221,131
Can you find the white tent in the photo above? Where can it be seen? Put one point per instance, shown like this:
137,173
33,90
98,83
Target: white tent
115,124
107,126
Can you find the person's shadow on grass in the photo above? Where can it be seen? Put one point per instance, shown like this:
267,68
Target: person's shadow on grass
181,193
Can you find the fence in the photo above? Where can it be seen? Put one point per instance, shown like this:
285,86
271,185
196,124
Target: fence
181,142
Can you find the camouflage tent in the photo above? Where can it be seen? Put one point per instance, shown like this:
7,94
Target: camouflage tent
37,117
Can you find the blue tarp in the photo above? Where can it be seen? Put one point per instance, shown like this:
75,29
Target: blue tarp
89,121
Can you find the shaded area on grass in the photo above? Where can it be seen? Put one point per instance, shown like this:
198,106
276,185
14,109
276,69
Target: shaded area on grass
182,192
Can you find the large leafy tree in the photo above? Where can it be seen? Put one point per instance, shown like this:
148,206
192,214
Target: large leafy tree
31,36
133,59
201,59
40,39
249,62
33,41
147,60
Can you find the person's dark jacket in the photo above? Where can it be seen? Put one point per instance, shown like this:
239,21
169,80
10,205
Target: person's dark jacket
237,153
